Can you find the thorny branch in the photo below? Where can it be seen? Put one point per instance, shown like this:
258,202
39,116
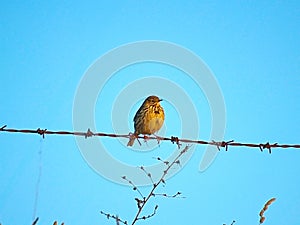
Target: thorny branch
174,140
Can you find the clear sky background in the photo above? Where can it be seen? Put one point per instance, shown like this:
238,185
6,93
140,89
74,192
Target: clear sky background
252,48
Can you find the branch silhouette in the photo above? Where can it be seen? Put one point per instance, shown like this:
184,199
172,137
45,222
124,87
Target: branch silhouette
142,201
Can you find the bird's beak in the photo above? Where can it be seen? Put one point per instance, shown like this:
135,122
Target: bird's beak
160,100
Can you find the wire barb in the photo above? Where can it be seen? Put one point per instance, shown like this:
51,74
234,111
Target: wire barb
175,140
223,144
268,146
41,132
89,133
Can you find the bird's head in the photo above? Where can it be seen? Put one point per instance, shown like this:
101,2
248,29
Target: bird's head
153,100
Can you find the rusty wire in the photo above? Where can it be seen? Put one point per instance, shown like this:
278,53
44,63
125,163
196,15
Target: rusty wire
174,140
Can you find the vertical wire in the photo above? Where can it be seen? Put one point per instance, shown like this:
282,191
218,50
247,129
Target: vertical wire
38,181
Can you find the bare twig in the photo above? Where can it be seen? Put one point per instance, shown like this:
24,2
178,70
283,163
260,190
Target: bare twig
177,195
56,223
148,174
118,220
143,201
231,223
141,204
135,188
148,216
165,162
35,221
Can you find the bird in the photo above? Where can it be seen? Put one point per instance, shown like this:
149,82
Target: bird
148,119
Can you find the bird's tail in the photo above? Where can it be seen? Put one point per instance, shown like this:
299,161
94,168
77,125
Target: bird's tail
131,140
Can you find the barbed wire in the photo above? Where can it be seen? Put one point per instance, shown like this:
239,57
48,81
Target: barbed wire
174,140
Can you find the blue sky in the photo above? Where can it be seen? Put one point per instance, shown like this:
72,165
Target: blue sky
253,50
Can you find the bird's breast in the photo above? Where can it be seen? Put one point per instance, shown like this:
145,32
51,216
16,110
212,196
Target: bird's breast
155,124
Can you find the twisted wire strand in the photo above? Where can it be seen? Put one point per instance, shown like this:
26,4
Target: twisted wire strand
175,140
